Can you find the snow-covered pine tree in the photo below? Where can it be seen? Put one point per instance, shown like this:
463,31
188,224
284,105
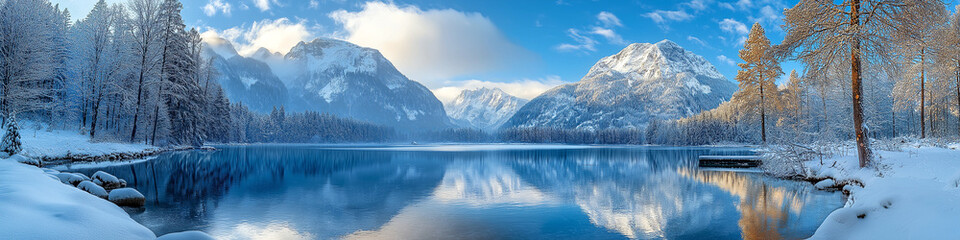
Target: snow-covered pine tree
828,33
10,143
757,75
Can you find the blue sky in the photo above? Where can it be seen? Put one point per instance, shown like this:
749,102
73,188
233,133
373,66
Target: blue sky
524,47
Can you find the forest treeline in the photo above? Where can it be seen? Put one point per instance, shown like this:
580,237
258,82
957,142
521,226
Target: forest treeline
134,73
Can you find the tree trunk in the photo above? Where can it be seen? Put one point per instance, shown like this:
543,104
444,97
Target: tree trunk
763,114
863,148
96,113
923,98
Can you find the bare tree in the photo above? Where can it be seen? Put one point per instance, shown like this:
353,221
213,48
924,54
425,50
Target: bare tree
828,33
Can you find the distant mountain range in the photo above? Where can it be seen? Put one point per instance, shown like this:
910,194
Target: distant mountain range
329,76
627,90
484,108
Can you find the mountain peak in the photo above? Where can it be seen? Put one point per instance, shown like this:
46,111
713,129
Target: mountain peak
650,61
484,108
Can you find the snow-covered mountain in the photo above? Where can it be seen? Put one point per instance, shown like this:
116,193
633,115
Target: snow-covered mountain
484,108
329,76
250,82
627,90
351,81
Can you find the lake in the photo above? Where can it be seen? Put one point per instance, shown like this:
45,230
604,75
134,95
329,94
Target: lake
465,192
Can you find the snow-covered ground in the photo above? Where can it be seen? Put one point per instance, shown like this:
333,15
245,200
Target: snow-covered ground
913,193
60,143
35,206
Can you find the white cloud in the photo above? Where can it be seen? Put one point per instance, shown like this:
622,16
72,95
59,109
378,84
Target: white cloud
697,41
278,35
609,34
744,4
609,20
583,43
735,27
314,4
263,5
727,6
724,59
662,16
699,5
431,45
525,88
215,6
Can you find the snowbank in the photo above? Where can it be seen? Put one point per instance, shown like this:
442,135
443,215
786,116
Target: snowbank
34,206
57,144
908,194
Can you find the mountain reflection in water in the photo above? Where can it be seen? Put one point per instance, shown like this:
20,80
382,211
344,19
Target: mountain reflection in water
465,192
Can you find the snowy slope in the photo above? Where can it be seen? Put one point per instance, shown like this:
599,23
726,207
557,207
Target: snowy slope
250,82
351,81
35,206
484,108
328,76
640,83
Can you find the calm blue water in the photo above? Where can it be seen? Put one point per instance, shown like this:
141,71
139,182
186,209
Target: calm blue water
466,192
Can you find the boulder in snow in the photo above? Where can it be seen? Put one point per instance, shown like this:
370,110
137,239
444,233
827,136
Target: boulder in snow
70,178
50,171
93,188
84,176
127,197
188,235
826,184
106,180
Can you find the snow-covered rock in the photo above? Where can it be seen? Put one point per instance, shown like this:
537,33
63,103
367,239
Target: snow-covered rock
33,206
127,197
484,108
93,188
70,178
826,184
627,90
106,180
188,235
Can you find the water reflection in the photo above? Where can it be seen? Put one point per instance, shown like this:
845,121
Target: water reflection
304,192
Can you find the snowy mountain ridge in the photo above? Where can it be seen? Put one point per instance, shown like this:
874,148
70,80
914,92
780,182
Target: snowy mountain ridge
484,108
627,90
330,76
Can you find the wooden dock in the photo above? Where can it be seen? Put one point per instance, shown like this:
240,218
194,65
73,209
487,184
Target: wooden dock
729,161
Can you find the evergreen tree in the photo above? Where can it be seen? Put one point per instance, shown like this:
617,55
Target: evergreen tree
757,75
10,144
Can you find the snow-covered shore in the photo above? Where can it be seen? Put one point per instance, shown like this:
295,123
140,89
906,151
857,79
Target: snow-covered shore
35,205
62,144
911,193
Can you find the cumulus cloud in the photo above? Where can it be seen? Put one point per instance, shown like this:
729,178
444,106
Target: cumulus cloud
278,35
430,45
525,88
263,5
724,59
662,16
214,6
